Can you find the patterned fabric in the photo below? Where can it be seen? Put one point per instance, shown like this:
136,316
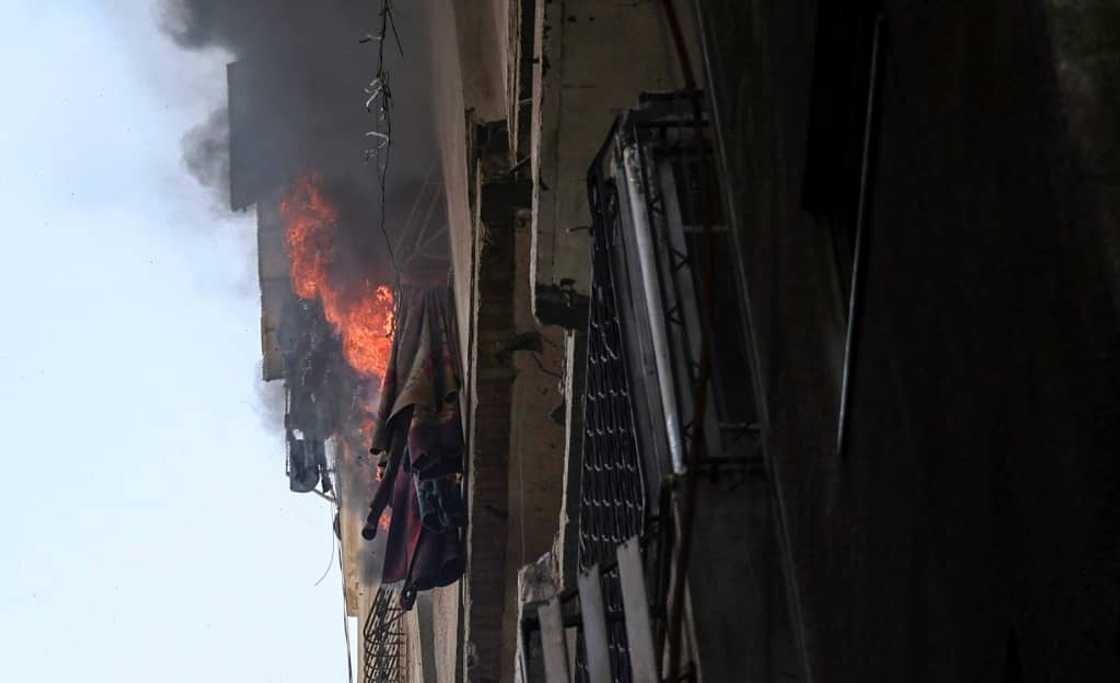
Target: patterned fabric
418,437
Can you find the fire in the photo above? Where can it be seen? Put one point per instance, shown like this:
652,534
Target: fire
366,428
363,322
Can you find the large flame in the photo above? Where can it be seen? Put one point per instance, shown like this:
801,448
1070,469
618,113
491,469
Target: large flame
363,320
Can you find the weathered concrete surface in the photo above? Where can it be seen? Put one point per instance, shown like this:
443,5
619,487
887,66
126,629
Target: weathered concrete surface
536,582
567,540
450,114
420,635
488,491
275,282
481,40
511,392
970,532
361,559
446,618
536,465
594,59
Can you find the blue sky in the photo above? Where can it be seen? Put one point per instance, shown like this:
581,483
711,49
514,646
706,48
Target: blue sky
148,528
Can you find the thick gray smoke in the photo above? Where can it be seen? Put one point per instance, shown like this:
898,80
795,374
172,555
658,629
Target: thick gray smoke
297,108
269,403
206,153
297,102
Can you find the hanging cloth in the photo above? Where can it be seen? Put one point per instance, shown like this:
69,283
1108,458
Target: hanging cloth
418,438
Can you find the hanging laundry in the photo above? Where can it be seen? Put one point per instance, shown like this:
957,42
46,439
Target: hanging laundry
418,438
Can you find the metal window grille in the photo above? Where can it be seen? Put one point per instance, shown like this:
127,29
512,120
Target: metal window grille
655,202
658,214
384,640
612,488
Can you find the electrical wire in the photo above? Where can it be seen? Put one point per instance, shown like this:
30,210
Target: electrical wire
334,547
380,91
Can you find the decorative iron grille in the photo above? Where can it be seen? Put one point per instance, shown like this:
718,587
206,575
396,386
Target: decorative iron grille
612,500
384,652
658,228
612,489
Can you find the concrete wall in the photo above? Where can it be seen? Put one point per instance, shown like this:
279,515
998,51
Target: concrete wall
509,398
536,465
481,38
969,531
593,61
275,283
976,506
446,619
450,115
488,491
361,559
420,636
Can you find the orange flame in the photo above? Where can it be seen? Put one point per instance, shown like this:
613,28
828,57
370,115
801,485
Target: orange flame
366,429
364,322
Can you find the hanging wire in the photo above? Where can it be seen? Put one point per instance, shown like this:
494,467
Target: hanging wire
345,617
346,626
379,102
334,547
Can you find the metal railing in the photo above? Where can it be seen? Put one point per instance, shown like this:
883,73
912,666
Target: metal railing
384,639
658,228
660,242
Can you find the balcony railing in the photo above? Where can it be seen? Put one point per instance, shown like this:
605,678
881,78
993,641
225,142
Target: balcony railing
384,640
662,295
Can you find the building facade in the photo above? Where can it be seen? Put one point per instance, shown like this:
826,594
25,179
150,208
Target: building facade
789,342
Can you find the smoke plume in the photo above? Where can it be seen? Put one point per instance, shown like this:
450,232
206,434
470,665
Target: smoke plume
206,153
296,109
300,77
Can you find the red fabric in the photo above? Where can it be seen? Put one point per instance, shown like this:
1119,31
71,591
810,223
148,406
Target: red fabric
418,435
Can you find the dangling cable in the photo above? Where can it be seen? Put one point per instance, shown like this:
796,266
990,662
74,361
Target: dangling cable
379,101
